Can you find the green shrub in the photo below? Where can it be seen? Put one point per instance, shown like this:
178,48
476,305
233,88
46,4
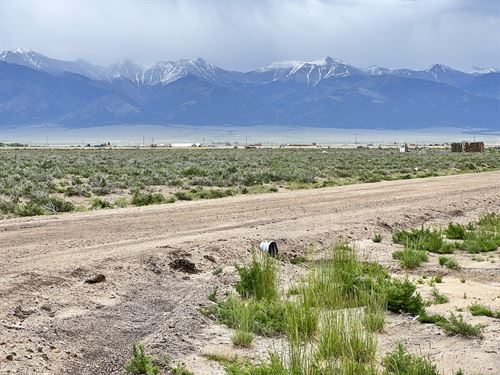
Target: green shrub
121,202
409,258
456,325
477,309
434,319
420,239
438,278
455,231
145,199
98,203
489,221
56,204
181,370
401,362
402,297
141,363
274,367
29,209
377,238
449,262
480,241
439,298
268,317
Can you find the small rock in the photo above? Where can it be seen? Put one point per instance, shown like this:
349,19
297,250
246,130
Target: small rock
9,357
154,266
210,258
94,279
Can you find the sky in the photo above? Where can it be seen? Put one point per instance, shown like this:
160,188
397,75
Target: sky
244,35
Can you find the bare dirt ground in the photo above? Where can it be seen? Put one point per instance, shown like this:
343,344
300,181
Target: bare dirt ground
53,322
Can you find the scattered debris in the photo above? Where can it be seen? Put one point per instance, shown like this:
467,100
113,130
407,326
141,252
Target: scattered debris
94,279
153,266
22,314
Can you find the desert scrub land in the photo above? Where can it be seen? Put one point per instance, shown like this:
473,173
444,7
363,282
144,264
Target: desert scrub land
47,181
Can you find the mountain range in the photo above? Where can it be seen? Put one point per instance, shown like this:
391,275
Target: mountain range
35,89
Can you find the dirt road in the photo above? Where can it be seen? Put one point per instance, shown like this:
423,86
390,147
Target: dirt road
53,322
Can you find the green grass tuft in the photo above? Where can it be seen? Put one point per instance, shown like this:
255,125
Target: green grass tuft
455,231
141,363
449,262
377,238
409,258
477,309
439,298
401,362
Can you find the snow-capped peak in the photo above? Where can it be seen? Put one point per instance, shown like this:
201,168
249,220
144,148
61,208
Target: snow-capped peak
162,72
375,70
23,50
294,64
438,67
478,70
309,72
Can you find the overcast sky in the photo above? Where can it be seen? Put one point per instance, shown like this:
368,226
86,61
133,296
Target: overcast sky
243,35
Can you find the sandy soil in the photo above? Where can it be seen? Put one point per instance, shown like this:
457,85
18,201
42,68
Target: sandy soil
53,322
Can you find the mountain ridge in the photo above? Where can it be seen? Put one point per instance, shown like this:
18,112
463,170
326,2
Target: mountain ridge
324,93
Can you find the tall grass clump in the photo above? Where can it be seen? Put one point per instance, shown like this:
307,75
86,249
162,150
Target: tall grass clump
375,315
302,316
243,316
259,279
345,337
343,281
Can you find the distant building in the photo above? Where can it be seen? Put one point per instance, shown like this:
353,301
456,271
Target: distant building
467,147
185,145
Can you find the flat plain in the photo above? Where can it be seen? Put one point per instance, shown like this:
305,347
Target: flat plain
47,181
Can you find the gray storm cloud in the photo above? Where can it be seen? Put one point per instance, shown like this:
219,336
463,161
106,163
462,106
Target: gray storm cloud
243,35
